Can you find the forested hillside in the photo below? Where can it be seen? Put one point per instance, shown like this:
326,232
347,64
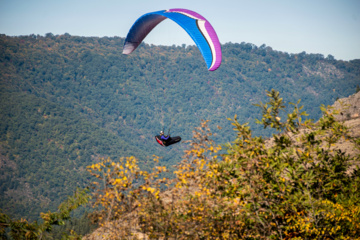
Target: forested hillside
66,100
44,150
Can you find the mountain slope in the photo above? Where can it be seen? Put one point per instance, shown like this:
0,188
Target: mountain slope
109,104
44,150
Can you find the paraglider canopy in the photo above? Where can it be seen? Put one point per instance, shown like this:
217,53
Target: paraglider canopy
194,24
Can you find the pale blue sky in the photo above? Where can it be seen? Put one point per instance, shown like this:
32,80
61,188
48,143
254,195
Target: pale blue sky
314,26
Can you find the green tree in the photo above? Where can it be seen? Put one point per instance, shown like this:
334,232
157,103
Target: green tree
22,229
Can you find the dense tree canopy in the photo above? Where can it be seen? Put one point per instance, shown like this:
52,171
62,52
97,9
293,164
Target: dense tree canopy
299,184
68,100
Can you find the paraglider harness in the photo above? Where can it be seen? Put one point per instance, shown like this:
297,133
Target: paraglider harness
169,141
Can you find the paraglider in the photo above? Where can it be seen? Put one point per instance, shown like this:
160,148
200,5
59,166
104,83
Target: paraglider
193,23
199,29
166,140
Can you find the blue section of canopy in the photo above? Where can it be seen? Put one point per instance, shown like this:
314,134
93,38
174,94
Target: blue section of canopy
191,27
